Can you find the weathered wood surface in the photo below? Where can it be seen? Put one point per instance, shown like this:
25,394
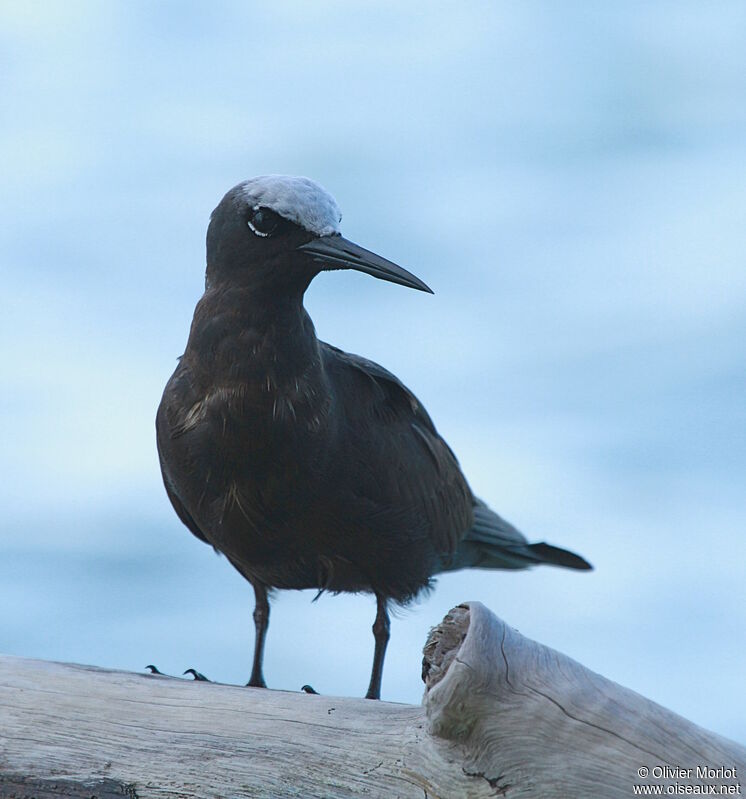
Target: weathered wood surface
502,716
175,738
536,723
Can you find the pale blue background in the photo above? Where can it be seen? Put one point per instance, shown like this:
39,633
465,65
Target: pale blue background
571,180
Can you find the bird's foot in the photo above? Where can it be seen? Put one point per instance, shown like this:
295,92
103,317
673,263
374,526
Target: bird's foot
198,676
309,689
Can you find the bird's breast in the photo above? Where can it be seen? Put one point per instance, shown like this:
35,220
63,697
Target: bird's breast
253,431
246,457
251,417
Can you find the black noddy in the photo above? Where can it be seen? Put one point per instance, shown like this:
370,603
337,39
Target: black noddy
306,466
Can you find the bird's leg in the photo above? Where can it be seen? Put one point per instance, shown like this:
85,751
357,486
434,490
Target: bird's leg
381,634
261,622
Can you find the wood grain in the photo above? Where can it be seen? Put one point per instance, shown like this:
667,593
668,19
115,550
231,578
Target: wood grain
502,716
536,723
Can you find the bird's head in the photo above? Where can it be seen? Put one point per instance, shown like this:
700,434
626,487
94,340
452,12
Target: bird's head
279,232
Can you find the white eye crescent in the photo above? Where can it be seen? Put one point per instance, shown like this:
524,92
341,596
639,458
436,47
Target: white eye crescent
263,222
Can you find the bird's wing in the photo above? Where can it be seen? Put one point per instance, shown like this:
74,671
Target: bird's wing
404,462
389,390
165,434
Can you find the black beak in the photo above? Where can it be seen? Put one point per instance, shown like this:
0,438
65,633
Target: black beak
338,253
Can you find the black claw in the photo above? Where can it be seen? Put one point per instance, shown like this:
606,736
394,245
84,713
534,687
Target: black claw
309,690
198,676
154,670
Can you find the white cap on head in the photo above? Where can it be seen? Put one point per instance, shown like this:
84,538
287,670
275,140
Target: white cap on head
298,199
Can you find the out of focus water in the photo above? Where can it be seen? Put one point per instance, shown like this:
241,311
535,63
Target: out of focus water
571,180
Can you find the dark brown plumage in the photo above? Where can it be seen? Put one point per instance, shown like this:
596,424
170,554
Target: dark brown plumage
306,466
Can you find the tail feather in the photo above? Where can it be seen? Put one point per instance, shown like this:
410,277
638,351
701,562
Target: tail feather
493,543
555,556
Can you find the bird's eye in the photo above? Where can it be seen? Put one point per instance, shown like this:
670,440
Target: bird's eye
264,222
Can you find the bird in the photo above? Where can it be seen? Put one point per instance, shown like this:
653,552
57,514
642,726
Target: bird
304,465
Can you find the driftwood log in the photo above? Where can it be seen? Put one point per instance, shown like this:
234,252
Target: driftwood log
501,716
